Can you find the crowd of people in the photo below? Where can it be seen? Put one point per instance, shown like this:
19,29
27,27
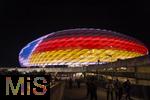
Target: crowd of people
72,81
118,88
114,88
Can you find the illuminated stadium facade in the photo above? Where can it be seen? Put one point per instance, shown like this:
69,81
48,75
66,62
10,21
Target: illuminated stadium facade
77,47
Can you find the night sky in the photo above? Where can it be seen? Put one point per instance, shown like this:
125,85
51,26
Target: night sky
23,21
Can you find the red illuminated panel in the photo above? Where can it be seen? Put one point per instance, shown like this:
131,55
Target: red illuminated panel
91,42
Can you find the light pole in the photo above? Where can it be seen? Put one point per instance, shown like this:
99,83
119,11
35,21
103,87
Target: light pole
111,65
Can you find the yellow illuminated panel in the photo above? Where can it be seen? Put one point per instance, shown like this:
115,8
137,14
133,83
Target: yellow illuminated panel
79,56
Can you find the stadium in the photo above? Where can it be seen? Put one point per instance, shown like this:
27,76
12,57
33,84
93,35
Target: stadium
83,53
80,47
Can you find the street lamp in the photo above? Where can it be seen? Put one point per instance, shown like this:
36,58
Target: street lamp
111,64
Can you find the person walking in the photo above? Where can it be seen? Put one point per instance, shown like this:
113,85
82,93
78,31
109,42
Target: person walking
109,87
127,88
70,83
87,87
78,82
93,89
118,89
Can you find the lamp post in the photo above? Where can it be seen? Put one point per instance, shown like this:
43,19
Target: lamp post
111,65
98,61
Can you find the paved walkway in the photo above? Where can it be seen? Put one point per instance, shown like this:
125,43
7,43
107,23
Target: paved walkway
80,94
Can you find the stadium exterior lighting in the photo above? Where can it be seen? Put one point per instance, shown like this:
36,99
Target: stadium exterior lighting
76,47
